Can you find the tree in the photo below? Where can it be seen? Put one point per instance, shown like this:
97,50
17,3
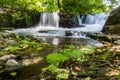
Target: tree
25,8
81,6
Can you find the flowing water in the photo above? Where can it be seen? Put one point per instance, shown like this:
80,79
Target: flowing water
49,25
93,22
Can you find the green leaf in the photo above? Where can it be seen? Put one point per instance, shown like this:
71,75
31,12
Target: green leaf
12,48
13,73
53,69
56,58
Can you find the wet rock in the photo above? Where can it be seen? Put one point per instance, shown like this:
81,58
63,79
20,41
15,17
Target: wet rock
117,42
112,29
112,25
115,48
21,23
114,17
12,42
12,65
35,18
7,57
6,34
68,20
106,38
2,62
101,37
1,69
11,62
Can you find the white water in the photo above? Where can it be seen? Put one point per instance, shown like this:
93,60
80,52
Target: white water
49,25
49,19
93,23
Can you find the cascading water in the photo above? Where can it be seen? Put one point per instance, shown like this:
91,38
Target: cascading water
49,20
49,29
49,25
93,22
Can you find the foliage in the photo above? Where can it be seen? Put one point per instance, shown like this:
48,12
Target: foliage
72,52
81,6
28,20
53,69
62,74
12,48
21,45
114,1
56,58
69,57
24,9
118,77
106,55
13,73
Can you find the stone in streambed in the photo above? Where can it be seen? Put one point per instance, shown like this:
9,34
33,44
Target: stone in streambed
117,42
12,65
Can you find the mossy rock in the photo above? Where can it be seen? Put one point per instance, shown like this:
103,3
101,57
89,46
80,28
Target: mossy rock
112,29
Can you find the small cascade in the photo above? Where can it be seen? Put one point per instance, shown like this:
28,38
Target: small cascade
49,19
90,19
49,25
94,18
93,22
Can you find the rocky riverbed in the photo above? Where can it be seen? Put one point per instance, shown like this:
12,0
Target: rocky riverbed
22,57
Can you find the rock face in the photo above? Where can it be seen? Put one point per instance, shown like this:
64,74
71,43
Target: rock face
112,25
112,29
114,17
68,20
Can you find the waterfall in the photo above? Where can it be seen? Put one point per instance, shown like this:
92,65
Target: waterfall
93,22
90,19
94,18
49,19
49,25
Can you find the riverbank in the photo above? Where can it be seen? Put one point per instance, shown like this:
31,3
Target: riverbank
23,57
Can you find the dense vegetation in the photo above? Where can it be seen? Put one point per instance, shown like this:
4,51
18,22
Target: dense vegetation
82,63
24,9
82,6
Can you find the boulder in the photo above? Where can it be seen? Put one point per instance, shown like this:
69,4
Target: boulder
7,57
112,25
68,20
10,62
112,29
117,42
114,17
36,18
